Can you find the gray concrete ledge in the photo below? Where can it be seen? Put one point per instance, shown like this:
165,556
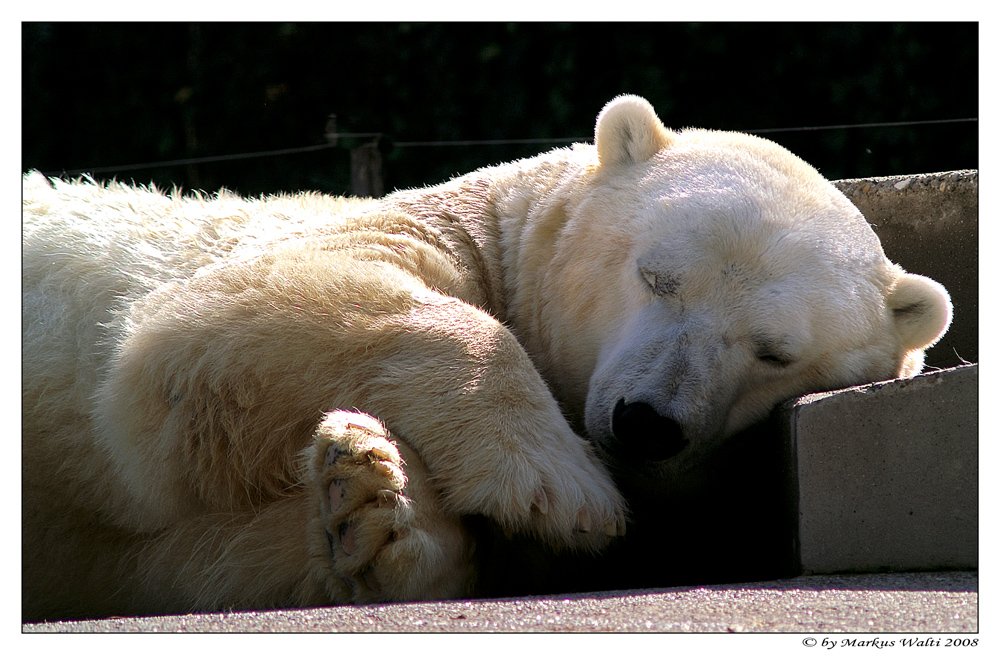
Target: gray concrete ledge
898,603
886,476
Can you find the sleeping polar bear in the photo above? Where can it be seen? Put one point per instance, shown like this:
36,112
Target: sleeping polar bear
301,400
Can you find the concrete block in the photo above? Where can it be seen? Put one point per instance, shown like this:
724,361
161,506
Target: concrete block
929,224
886,476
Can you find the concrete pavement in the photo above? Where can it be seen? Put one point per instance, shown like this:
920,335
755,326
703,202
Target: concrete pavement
940,602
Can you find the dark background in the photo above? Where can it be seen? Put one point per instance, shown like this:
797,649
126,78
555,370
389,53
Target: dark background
114,94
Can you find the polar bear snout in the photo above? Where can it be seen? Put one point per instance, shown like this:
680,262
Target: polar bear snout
638,424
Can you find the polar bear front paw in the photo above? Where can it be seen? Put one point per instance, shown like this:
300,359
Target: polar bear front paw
575,503
385,544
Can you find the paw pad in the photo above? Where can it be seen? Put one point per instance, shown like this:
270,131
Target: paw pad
332,455
362,508
336,495
347,534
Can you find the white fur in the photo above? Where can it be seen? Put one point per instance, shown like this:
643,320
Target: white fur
196,368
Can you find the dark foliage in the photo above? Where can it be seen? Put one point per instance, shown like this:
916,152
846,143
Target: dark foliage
111,94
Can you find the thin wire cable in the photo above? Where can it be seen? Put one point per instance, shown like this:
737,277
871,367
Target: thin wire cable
216,158
846,127
488,142
483,142
199,160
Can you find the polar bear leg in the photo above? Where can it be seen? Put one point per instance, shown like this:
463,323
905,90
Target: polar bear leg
208,403
379,526
488,428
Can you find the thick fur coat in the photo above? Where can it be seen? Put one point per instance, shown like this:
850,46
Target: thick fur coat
299,400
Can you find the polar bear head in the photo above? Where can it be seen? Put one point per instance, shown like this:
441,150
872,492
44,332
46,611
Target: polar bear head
703,277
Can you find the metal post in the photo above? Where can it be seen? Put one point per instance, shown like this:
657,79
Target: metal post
366,171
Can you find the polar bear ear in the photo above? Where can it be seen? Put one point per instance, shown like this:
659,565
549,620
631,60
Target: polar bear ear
921,309
629,132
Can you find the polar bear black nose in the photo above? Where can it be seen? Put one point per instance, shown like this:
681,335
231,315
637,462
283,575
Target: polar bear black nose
638,424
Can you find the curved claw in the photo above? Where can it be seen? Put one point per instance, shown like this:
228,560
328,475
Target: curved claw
541,501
